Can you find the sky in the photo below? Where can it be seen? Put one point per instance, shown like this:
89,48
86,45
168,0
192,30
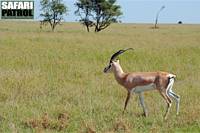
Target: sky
144,11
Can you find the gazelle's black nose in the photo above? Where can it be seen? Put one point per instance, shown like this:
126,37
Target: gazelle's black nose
105,69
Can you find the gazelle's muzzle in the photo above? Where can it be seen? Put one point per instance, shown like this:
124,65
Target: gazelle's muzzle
107,68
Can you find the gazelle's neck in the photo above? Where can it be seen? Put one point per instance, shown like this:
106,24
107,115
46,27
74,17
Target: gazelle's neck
118,72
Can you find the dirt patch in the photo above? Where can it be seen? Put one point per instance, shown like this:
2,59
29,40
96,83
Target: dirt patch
90,130
121,126
1,118
45,122
87,127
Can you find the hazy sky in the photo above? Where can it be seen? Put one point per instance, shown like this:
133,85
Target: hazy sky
144,11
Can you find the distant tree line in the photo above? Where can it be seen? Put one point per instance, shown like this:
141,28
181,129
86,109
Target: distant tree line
92,13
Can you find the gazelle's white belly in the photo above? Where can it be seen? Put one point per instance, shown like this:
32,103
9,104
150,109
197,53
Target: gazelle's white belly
148,87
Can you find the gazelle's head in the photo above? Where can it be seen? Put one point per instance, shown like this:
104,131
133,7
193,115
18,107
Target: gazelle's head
114,61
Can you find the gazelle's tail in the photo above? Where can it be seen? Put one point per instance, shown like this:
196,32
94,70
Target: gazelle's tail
172,76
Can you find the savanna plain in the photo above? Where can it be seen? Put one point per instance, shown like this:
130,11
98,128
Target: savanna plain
54,81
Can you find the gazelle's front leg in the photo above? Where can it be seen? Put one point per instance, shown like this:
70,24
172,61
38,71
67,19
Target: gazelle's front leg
127,100
141,97
177,100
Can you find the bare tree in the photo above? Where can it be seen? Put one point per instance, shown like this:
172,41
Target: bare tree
157,15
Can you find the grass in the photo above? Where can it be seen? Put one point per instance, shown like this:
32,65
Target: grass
45,73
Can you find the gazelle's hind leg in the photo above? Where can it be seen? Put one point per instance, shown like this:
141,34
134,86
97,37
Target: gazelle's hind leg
177,100
173,95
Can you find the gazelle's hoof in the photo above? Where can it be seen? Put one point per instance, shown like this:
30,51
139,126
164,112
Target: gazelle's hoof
123,112
145,114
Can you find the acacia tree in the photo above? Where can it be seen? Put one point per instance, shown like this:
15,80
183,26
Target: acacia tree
84,11
52,12
98,13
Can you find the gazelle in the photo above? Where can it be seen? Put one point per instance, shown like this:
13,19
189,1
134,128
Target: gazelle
138,82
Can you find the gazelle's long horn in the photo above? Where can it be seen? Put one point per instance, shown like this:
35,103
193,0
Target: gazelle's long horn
114,56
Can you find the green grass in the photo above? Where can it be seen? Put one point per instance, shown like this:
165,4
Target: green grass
62,72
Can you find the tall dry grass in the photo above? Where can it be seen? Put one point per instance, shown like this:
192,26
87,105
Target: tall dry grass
43,72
